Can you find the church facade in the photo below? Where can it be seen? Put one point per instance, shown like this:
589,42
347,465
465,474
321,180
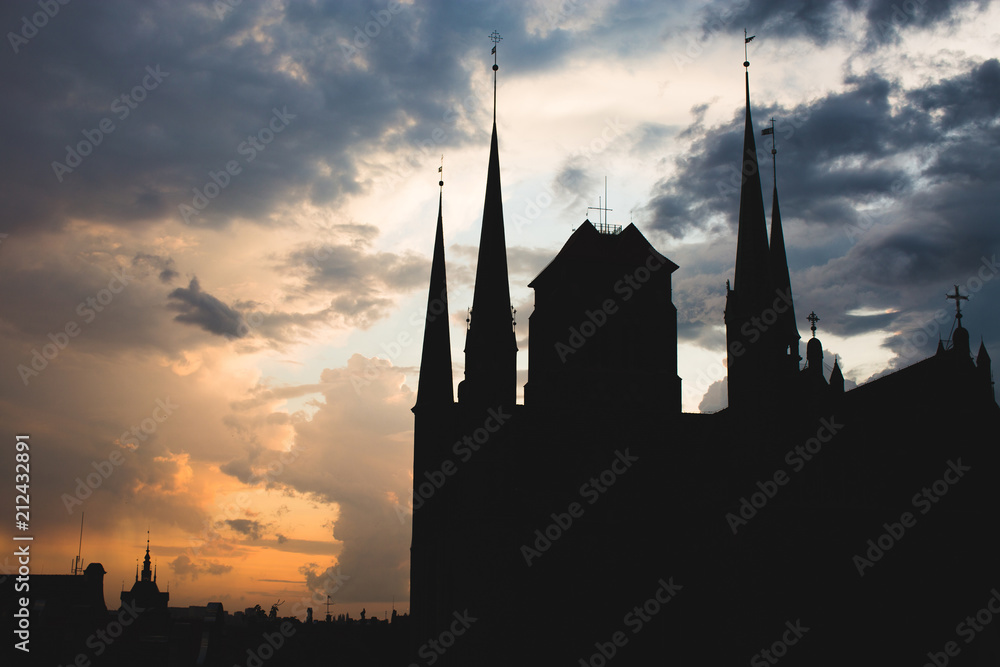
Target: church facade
596,522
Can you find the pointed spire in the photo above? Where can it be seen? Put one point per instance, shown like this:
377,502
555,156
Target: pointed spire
983,357
434,385
146,571
490,346
837,378
788,333
751,246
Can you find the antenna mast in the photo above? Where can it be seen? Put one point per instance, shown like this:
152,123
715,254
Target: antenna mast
78,563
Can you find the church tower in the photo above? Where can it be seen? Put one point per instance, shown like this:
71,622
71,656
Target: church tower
432,427
786,333
490,346
749,337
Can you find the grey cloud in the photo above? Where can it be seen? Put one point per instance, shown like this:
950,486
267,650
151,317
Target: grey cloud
201,308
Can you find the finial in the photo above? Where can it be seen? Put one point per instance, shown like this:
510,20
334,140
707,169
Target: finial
495,38
774,151
441,172
813,319
958,303
746,40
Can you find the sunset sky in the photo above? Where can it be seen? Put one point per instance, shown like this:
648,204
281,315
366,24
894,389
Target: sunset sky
218,220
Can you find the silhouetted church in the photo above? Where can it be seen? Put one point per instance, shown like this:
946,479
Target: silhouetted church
597,522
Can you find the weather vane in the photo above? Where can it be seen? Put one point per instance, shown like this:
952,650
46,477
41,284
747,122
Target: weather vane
495,38
441,173
746,40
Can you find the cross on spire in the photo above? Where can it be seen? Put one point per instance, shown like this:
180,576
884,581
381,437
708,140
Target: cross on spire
495,38
958,303
813,319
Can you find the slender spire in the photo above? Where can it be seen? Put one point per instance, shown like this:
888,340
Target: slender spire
146,571
751,277
490,346
788,333
752,353
434,385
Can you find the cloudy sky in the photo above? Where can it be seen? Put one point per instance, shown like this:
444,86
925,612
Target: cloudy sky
218,218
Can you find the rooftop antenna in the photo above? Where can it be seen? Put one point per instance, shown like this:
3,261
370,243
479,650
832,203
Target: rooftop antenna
78,563
601,208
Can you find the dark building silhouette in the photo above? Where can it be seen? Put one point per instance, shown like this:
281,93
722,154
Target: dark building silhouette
145,594
598,524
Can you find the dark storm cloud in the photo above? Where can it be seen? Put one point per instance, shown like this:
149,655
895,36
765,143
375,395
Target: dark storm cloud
249,527
822,21
263,87
201,308
902,197
128,112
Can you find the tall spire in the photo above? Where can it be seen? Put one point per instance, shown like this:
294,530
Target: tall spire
147,573
434,385
751,351
787,332
751,246
490,346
